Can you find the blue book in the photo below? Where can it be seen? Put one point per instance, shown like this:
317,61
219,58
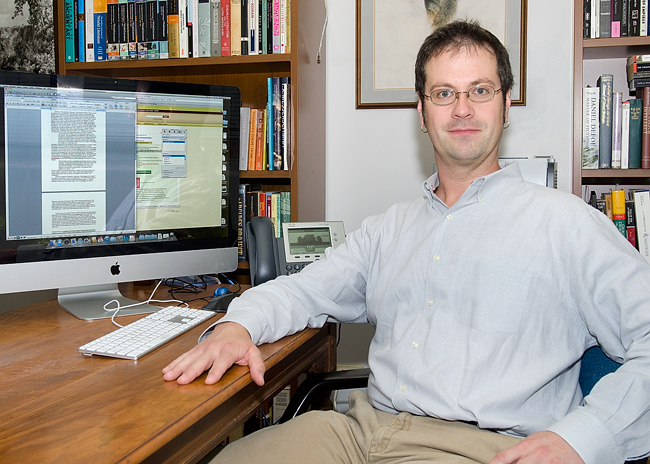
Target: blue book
68,19
82,31
99,18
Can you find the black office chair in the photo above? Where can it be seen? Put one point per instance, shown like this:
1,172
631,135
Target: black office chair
595,364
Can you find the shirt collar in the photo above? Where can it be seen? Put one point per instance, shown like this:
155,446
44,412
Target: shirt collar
480,189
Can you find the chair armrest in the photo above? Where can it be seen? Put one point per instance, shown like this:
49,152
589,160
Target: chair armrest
318,383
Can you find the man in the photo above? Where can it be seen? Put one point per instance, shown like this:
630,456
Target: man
484,293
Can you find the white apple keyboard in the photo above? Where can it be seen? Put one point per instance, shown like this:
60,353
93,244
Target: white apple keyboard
145,335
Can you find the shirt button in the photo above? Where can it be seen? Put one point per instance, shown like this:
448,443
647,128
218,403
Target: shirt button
449,217
480,199
430,302
415,344
436,258
403,388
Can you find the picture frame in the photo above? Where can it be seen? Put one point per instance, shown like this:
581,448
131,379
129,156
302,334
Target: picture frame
389,34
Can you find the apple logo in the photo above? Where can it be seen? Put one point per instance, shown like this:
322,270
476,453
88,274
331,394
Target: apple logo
115,269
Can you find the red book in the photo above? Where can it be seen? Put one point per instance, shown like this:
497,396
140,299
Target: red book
645,130
225,28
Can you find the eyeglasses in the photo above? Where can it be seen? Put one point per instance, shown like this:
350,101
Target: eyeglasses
478,94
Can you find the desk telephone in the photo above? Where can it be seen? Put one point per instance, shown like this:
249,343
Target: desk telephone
301,244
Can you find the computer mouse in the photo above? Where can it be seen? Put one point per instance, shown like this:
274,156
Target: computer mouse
219,303
220,291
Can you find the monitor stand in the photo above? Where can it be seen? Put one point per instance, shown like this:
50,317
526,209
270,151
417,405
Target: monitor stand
88,302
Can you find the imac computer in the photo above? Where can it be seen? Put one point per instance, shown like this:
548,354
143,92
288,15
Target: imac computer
110,180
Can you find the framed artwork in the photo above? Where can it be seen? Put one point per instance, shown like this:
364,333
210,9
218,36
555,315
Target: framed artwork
389,34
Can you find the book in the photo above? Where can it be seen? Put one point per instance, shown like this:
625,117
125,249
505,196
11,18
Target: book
241,222
270,120
616,6
285,207
124,29
112,30
643,18
636,112
259,140
244,128
634,18
605,19
617,103
630,224
586,19
277,125
252,26
285,98
625,134
190,29
172,32
163,28
225,28
607,196
132,33
205,17
79,41
141,28
625,18
99,19
195,29
251,139
183,38
619,211
605,83
89,34
276,26
68,25
215,28
642,219
595,19
235,27
645,129
243,33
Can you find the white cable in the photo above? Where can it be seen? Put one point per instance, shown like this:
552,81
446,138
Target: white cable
149,300
320,46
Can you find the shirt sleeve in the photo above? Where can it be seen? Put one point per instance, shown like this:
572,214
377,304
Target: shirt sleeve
609,283
331,289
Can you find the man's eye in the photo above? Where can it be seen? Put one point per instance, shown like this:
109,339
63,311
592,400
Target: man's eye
481,91
444,93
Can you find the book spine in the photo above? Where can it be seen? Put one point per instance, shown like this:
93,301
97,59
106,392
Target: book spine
243,33
152,30
283,26
636,131
189,8
124,29
286,123
625,18
205,41
625,134
270,120
163,28
241,222
617,103
81,18
215,28
235,27
605,83
172,31
89,33
616,18
269,26
276,26
277,125
586,19
251,139
645,129
244,127
643,18
132,30
259,149
285,207
99,19
113,30
225,28
605,19
642,219
635,29
68,24
75,22
183,39
630,229
618,211
595,18
252,27
590,118
261,27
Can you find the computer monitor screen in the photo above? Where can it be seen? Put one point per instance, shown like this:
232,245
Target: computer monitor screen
110,180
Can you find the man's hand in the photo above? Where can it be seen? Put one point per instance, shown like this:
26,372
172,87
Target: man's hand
229,344
541,447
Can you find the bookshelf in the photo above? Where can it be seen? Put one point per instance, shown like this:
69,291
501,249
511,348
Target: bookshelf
593,57
306,179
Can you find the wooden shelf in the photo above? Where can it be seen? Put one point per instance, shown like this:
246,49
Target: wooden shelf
616,173
265,174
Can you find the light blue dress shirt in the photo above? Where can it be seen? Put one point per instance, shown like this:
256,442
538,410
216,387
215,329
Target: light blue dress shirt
483,311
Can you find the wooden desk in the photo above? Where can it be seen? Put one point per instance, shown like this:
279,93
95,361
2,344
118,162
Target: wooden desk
60,406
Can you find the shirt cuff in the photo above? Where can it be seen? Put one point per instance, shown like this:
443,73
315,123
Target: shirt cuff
588,437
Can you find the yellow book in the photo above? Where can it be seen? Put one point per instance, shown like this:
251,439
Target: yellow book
235,27
618,211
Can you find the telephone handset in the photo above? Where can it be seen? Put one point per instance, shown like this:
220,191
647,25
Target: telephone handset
301,244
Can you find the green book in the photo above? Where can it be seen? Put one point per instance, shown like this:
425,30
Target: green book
636,115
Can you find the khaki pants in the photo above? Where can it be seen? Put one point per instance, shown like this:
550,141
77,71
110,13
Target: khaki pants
366,435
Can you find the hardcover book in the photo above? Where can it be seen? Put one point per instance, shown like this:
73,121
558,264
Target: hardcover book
215,28
642,219
605,19
205,41
645,129
619,211
605,83
625,134
99,18
636,112
617,108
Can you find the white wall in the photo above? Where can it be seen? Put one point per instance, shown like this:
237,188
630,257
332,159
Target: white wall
378,157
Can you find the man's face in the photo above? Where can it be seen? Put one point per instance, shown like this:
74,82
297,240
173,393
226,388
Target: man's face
464,133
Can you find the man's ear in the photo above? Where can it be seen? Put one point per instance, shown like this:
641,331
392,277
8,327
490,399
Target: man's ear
506,108
421,111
